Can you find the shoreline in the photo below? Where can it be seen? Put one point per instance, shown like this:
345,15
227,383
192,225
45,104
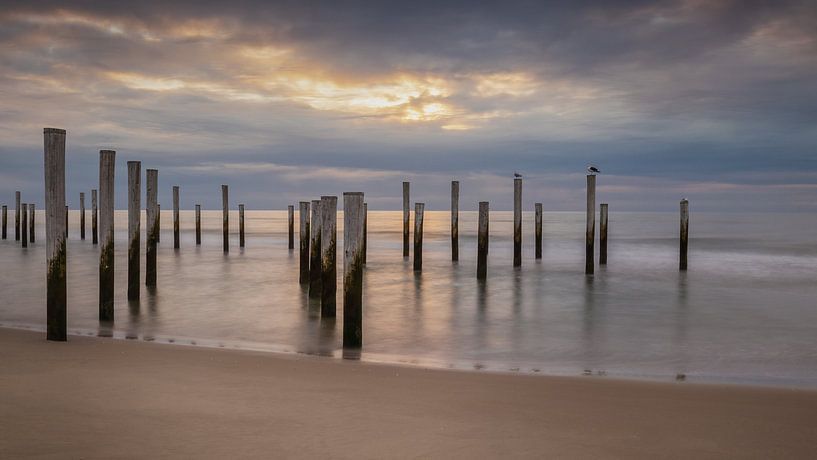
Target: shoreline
96,398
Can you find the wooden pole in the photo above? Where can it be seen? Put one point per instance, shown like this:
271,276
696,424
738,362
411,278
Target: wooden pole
152,222
31,212
303,236
538,229
291,226
94,213
590,233
198,225
82,215
24,225
315,251
354,217
241,225
684,248
603,234
225,219
176,217
54,167
517,222
107,166
17,216
419,209
5,220
365,231
406,217
329,230
455,220
134,227
482,242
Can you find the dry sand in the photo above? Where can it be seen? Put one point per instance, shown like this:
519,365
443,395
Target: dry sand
104,398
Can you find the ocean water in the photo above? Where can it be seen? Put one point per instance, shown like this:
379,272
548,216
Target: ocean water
746,311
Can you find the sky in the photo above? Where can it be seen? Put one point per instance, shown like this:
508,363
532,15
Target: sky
715,101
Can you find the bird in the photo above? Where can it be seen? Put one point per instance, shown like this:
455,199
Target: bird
517,175
593,170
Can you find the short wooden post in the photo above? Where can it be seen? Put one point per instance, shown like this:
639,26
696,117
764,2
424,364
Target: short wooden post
291,226
94,214
57,308
517,222
152,222
684,249
17,216
406,217
538,229
603,234
455,220
329,230
198,225
482,242
107,163
31,212
354,217
303,236
241,225
82,215
134,227
24,225
5,220
315,271
419,209
365,230
590,232
225,219
176,217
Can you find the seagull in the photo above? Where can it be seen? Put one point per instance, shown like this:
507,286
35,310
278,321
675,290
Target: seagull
593,170
517,175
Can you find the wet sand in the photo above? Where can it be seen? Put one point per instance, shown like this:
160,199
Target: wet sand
103,398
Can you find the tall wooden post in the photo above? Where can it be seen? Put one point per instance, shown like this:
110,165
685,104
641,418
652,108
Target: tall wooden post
291,226
24,225
538,229
482,241
94,214
354,216
134,227
5,220
198,225
152,222
107,163
406,217
17,216
225,219
303,236
82,215
455,220
517,222
329,230
31,212
241,225
57,308
590,233
365,230
419,209
603,234
315,270
684,248
176,217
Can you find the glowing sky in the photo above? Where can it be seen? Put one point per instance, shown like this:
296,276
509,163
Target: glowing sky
712,100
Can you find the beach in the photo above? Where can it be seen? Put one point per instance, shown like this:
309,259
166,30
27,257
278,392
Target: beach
103,398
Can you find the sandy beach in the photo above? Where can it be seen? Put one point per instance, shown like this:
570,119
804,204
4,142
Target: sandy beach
103,398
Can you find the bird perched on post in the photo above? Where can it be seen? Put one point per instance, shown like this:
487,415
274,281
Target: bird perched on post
593,170
516,175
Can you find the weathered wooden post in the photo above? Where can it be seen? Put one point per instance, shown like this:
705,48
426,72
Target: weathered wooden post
455,220
538,229
82,215
17,216
94,213
225,219
5,220
590,233
291,226
517,222
134,227
329,230
406,216
684,249
57,308
315,271
419,209
303,235
354,217
482,242
365,230
158,222
107,162
24,225
241,225
176,217
603,234
198,225
152,222
31,212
